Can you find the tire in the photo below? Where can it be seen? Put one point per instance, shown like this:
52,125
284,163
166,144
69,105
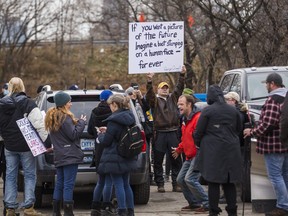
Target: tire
20,182
142,193
38,197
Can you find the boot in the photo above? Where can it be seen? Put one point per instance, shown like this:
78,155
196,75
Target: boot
108,209
231,211
68,208
214,212
130,212
121,212
96,209
31,212
57,208
10,212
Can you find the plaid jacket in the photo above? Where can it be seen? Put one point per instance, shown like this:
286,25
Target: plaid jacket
268,131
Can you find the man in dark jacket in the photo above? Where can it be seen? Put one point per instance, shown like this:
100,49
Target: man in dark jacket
166,125
12,108
269,144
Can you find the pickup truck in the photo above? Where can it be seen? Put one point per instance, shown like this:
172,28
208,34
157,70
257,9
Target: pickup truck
247,83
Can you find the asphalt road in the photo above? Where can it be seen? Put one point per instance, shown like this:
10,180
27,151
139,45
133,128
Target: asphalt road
160,204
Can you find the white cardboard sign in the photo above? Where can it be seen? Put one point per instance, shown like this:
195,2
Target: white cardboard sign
33,140
156,47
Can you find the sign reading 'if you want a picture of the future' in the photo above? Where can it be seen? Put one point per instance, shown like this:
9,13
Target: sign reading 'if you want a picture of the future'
156,47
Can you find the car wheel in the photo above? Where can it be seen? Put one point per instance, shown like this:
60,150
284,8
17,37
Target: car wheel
20,182
142,193
38,196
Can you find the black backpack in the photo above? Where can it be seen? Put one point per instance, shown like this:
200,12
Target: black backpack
131,142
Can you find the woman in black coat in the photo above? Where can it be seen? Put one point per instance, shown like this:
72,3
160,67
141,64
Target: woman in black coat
220,157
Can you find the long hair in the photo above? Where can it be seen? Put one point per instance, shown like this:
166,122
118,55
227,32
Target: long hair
15,85
55,117
123,102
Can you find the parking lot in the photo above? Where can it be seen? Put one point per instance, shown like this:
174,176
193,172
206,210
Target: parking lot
160,204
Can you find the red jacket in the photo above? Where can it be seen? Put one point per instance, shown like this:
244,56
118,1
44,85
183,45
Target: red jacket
187,142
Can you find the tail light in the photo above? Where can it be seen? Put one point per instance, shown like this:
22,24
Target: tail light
144,138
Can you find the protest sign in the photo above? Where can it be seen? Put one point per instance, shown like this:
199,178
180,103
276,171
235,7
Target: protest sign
33,140
156,47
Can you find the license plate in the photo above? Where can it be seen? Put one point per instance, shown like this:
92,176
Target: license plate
87,144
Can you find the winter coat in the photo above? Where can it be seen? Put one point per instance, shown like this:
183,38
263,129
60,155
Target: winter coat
13,110
187,144
111,162
165,110
284,123
98,115
66,143
217,135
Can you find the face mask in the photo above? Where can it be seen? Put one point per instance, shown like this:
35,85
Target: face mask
5,92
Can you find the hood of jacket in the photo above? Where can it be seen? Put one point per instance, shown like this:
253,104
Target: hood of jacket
122,116
102,109
279,91
7,105
215,94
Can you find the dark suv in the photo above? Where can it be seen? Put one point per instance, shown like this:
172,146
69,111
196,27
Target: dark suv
83,101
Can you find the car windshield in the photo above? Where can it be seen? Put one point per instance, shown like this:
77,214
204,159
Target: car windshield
256,89
80,105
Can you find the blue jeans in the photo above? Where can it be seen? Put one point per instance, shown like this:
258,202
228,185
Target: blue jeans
277,169
124,193
65,182
103,187
13,160
189,182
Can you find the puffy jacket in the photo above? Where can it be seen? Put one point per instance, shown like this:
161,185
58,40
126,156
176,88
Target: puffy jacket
13,110
111,161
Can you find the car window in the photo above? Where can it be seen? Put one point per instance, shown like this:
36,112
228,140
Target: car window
236,84
256,89
225,84
81,104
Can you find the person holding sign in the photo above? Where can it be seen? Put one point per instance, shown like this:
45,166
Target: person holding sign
166,125
65,131
12,108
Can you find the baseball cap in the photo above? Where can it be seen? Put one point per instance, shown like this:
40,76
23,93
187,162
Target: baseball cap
274,77
162,84
232,95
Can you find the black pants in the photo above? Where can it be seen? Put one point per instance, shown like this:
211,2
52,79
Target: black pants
214,195
164,141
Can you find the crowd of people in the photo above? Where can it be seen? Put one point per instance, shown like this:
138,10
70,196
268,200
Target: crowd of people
197,142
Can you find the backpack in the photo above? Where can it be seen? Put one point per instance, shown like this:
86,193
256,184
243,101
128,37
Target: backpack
131,142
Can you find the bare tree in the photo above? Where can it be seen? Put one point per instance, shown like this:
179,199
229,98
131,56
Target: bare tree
23,24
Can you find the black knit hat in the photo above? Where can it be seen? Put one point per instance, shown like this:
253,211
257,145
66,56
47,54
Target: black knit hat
61,98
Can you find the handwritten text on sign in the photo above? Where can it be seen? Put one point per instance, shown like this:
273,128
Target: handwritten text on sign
156,47
33,140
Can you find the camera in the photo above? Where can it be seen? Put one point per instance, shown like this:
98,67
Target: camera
135,87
